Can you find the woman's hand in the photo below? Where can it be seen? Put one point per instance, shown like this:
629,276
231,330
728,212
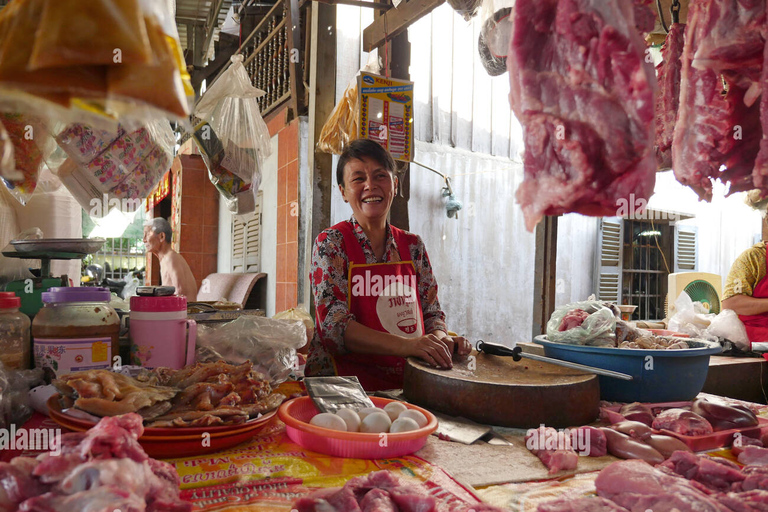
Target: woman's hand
431,349
457,345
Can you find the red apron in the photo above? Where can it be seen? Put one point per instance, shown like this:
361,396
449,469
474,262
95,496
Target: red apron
757,325
384,297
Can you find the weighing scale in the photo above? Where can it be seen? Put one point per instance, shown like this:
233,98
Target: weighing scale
30,290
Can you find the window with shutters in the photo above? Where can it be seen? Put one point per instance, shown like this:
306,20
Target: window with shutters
635,258
647,250
246,241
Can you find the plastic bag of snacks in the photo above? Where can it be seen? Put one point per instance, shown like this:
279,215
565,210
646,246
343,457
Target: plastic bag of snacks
31,146
341,128
115,59
231,109
114,169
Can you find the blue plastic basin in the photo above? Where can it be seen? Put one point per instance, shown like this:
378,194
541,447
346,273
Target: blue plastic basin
658,375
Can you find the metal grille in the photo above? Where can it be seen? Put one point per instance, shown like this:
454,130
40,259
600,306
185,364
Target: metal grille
119,256
267,58
644,276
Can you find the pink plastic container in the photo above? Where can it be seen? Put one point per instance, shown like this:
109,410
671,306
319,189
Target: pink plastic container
297,413
159,332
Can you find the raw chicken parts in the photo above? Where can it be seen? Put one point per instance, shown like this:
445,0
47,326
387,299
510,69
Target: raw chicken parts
584,93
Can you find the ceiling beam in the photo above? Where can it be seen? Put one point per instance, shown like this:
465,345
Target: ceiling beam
395,20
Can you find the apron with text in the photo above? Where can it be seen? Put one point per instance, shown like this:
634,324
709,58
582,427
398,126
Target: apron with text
757,325
383,297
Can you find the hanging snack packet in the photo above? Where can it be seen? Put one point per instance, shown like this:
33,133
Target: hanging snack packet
30,141
99,32
341,128
18,25
158,84
83,143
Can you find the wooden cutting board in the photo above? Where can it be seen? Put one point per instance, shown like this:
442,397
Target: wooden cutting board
496,390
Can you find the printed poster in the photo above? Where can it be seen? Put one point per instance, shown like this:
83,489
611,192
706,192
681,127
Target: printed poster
386,113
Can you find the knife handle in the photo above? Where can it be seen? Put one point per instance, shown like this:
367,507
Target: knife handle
499,350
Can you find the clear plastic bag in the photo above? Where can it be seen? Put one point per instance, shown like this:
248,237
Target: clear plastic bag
271,344
231,109
598,329
728,326
691,318
15,404
301,315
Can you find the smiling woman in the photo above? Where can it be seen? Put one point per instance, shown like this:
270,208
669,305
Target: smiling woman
369,330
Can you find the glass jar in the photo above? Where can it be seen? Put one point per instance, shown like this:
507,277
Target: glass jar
14,343
76,330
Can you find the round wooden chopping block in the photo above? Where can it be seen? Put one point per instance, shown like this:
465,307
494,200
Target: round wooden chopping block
497,390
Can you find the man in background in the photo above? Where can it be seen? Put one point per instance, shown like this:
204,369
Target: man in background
174,270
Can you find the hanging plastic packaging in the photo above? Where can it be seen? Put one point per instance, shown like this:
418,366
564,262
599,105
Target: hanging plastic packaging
105,170
115,60
31,146
342,126
235,141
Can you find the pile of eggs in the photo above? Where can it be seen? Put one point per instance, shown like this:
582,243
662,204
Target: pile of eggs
393,418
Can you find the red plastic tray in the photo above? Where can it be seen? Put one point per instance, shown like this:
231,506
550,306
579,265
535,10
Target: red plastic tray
713,441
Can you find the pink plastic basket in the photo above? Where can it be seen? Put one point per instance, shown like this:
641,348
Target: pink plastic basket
297,413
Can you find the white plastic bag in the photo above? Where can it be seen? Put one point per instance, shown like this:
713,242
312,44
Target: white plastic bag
231,108
598,329
271,344
727,325
691,318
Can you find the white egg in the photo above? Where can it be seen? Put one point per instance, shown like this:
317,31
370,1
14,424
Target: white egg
403,425
416,416
393,409
376,422
365,411
329,420
351,418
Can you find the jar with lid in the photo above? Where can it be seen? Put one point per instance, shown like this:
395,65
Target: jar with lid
14,343
75,330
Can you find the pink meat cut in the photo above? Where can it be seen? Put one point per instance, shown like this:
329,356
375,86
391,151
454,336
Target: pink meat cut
668,98
638,486
714,473
553,448
682,422
573,319
102,470
719,125
584,94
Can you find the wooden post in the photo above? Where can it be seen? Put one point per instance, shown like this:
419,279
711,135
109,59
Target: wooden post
544,277
399,60
322,98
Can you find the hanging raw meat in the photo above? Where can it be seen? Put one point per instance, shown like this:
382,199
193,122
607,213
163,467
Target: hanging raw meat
760,172
718,124
668,98
581,88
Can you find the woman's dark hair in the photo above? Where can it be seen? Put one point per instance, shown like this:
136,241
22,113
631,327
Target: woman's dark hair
359,148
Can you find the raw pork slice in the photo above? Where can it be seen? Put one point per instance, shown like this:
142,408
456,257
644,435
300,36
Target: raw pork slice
682,422
715,473
754,456
584,94
719,120
638,486
668,98
596,504
760,172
